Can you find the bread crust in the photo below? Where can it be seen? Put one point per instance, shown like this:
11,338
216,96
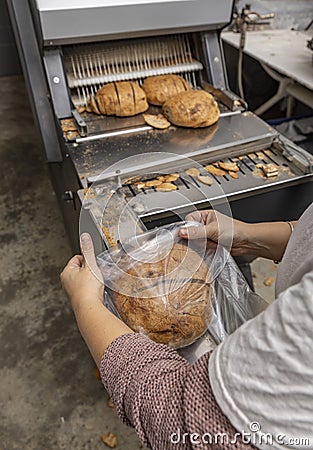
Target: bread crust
94,105
215,170
157,121
229,166
161,88
107,99
194,109
126,99
169,300
141,104
123,98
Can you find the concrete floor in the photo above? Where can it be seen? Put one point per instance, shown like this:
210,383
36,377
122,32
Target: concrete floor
49,396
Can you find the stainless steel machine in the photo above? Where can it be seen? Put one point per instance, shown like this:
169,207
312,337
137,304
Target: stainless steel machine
69,48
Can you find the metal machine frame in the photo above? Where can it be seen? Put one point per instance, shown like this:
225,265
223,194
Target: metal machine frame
41,47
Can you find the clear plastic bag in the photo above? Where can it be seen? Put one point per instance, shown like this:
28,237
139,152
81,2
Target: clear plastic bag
175,290
235,302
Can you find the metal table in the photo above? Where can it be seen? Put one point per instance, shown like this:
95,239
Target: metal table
284,55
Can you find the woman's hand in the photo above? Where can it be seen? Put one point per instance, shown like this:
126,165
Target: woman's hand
265,239
81,278
217,229
82,281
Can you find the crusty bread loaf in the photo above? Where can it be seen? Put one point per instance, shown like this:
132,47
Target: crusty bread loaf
123,98
126,99
169,300
141,103
161,88
194,109
107,100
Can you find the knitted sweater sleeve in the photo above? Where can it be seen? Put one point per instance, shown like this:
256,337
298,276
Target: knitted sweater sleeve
168,401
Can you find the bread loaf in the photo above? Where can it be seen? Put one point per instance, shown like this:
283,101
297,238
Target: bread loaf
107,99
169,300
194,109
124,98
161,88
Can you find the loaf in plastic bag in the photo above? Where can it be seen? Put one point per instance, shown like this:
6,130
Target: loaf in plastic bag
175,290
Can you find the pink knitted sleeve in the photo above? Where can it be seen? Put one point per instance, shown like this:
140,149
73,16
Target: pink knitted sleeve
163,397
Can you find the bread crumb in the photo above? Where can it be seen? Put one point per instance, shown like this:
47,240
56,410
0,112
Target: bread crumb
152,183
68,125
233,175
270,170
140,184
192,172
260,155
215,170
165,187
89,193
108,235
171,177
259,173
110,439
269,281
205,179
229,166
110,404
81,109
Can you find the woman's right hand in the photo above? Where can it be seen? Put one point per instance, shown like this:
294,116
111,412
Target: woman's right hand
264,239
217,229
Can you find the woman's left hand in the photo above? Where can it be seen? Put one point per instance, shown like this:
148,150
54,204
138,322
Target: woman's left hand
81,278
83,283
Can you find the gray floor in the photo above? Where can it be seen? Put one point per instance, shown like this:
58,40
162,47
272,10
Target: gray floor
49,395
